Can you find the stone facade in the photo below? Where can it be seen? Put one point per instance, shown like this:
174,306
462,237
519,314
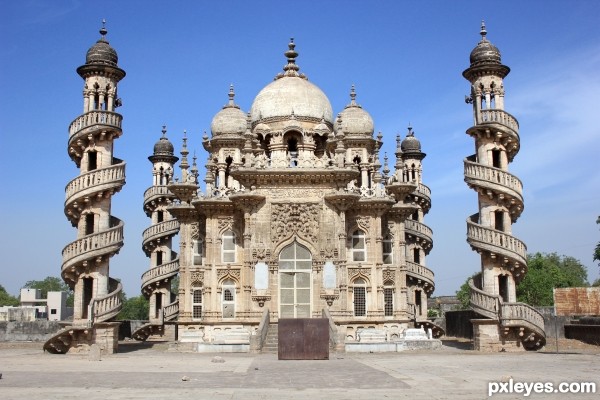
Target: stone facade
298,216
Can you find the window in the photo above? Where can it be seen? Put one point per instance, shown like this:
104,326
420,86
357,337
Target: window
387,250
360,298
92,160
417,255
197,250
496,160
159,258
228,247
359,249
388,301
89,224
196,303
228,286
499,220
53,311
160,216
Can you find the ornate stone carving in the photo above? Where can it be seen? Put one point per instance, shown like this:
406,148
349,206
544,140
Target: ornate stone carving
294,218
354,272
389,275
194,231
197,278
228,273
225,223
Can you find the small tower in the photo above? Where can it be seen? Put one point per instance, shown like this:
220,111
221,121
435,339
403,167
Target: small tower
157,243
509,325
85,265
418,236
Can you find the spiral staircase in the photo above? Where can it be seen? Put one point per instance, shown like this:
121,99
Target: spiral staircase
85,261
157,280
500,195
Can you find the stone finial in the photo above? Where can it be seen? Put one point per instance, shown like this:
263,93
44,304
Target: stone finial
386,167
103,30
291,69
353,95
164,131
410,131
483,31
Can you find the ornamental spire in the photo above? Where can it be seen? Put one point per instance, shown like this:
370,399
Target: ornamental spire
483,31
103,31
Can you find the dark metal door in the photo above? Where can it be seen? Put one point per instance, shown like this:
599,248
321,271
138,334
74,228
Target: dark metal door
303,339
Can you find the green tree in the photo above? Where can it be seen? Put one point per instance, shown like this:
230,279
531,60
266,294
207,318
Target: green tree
596,282
135,308
464,293
7,299
546,272
51,284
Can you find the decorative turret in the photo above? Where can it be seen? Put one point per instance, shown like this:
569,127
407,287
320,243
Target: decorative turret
500,199
157,243
85,265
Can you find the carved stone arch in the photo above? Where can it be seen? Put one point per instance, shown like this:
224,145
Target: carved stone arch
389,277
360,223
290,240
225,274
226,224
356,273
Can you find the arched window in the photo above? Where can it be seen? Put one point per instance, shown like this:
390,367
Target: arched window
228,286
388,299
360,297
197,251
359,246
292,151
228,247
196,303
388,257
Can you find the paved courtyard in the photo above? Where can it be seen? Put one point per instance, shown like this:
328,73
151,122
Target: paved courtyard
151,371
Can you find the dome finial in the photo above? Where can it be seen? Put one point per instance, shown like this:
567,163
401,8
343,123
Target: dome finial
164,131
291,69
353,95
410,131
483,31
231,94
103,30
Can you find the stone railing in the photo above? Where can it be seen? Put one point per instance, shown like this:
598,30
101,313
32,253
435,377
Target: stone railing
115,174
98,117
171,311
424,191
521,314
494,176
418,229
106,241
495,241
162,271
157,191
420,272
498,117
108,306
484,303
165,228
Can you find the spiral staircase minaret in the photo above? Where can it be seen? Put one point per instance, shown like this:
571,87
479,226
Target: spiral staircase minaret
86,260
157,243
500,198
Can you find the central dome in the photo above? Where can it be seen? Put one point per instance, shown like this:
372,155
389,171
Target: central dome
291,94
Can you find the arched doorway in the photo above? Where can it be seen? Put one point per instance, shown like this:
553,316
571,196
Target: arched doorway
295,267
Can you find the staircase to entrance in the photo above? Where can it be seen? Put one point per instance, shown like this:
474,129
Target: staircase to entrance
271,342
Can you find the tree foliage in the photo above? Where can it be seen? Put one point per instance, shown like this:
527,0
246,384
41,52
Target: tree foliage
134,308
464,293
7,299
51,284
546,272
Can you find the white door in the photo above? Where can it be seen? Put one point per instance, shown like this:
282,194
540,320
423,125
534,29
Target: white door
295,275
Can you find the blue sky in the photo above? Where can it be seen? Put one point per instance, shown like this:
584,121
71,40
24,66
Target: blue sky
405,58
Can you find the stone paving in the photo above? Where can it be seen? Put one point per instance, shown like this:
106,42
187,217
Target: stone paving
142,371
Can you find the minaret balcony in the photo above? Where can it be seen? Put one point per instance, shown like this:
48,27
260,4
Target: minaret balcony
497,116
491,180
422,274
420,232
527,319
98,119
91,247
483,303
423,195
92,183
156,194
171,311
159,273
108,306
510,250
157,232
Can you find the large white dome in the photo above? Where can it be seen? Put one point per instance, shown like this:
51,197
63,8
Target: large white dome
291,93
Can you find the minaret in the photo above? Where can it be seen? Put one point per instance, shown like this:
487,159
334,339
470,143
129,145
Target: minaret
157,242
500,199
85,265
419,237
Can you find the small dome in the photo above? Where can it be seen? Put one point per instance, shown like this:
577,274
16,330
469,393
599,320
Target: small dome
355,120
410,144
163,146
230,120
485,52
291,93
101,52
